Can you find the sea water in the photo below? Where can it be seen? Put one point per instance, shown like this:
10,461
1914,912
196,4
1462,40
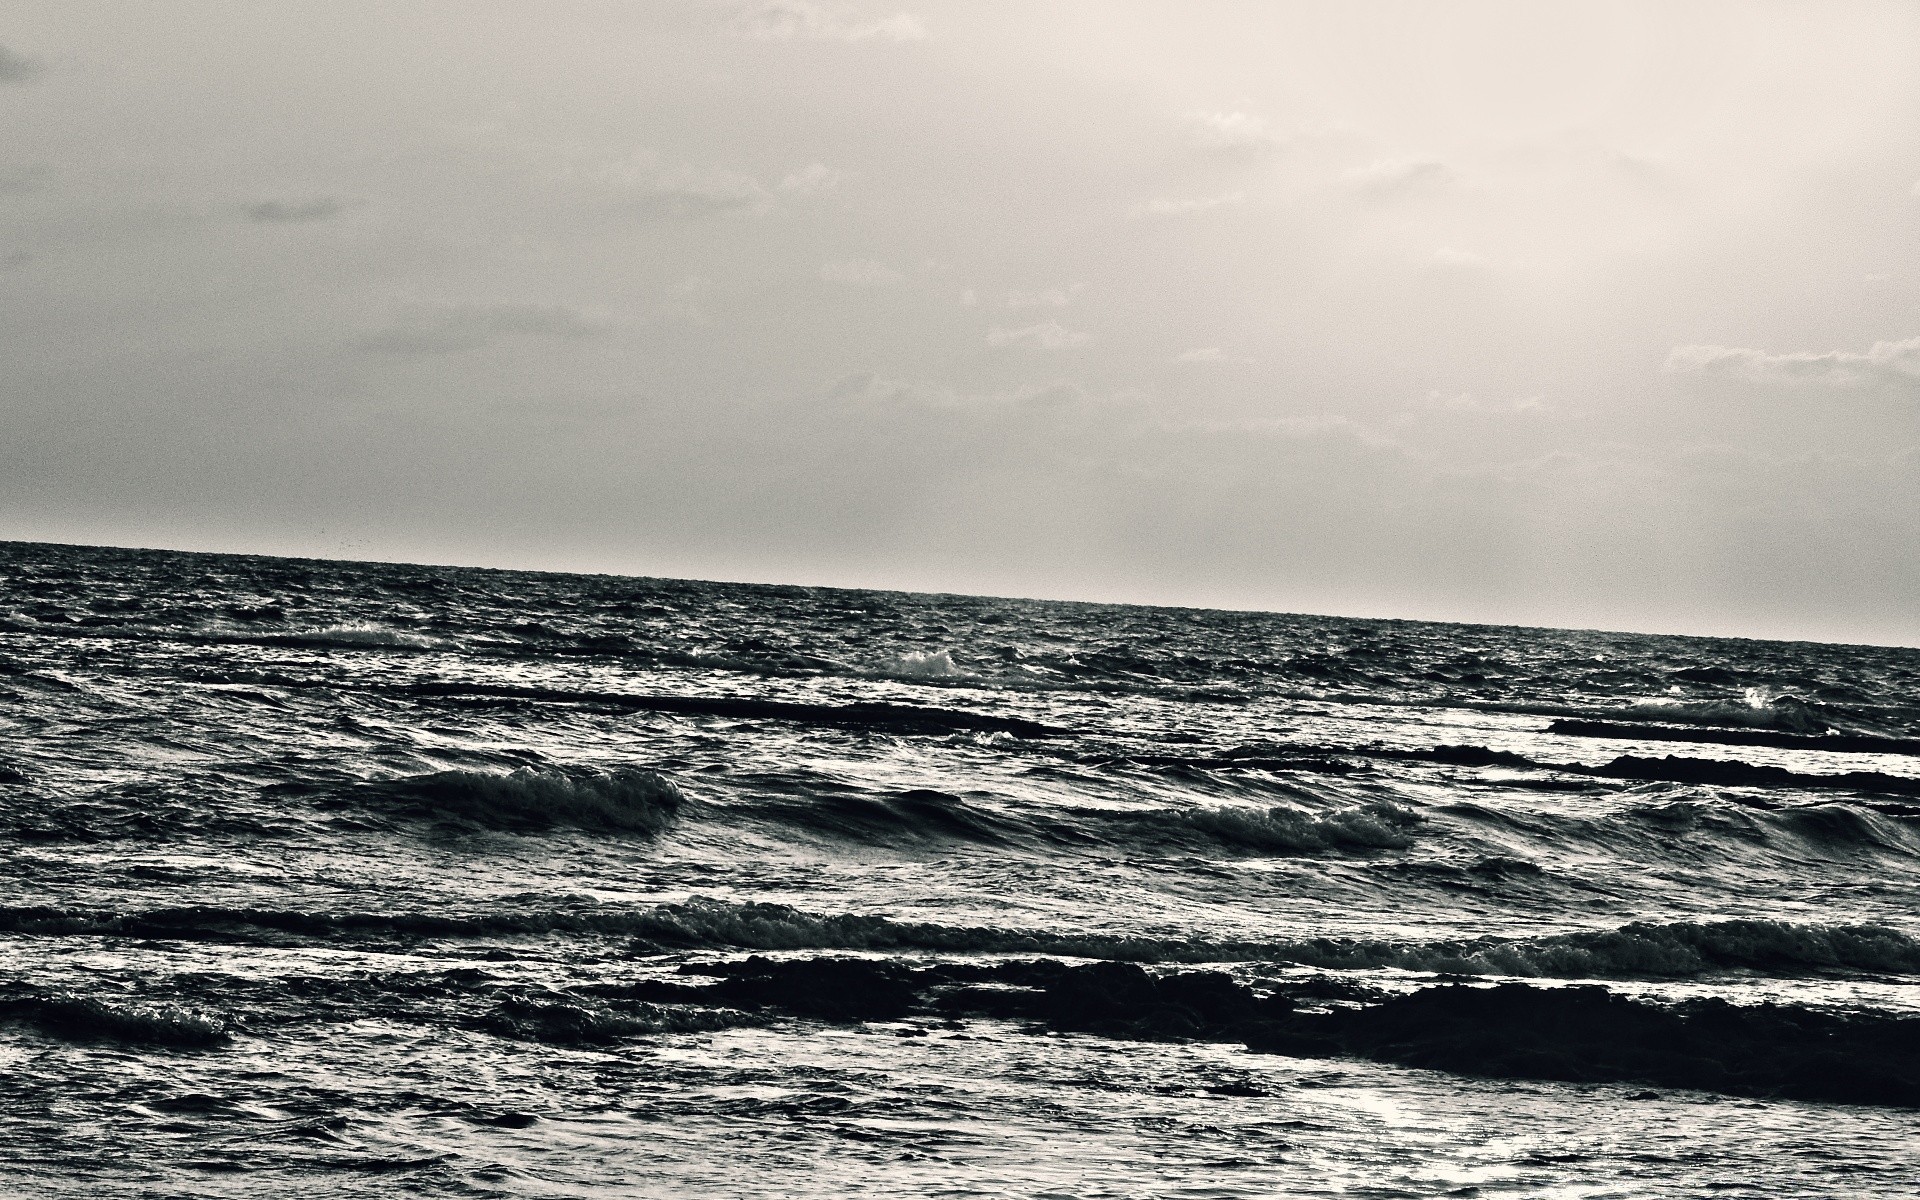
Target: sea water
374,880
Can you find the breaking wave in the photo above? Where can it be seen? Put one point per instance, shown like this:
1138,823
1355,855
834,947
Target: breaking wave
1759,710
932,664
349,636
133,1023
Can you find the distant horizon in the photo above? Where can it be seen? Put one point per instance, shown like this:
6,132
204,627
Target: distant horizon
937,591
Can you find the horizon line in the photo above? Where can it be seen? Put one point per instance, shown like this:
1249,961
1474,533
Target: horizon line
844,587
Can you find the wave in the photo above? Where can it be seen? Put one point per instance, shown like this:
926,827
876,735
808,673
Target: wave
932,664
1588,1035
1641,950
133,1023
1758,710
1576,1034
1676,769
576,1022
1836,743
1664,769
918,815
1676,950
1375,826
866,714
922,815
357,634
1805,717
624,800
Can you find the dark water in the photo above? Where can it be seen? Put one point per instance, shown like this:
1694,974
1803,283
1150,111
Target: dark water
384,880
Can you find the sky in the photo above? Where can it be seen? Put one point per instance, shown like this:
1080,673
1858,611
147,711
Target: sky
1592,315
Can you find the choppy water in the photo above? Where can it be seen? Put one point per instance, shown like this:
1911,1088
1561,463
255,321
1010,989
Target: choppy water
381,880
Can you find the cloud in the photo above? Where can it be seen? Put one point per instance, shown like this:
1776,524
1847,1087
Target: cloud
1235,131
793,20
451,328
683,192
1467,402
1884,363
1397,176
16,67
810,180
292,211
1202,354
1048,335
862,272
1169,208
878,391
1045,298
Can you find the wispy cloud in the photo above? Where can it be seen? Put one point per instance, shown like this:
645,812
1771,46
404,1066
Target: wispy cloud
1234,131
16,67
1467,402
1883,363
790,20
1045,298
809,180
1182,207
860,272
1048,335
880,391
1397,176
282,211
684,191
1208,355
451,328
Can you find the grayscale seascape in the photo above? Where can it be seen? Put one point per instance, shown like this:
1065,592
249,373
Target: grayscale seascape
959,599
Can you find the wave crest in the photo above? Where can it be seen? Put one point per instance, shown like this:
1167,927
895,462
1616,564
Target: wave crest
1376,826
625,799
1759,709
86,1019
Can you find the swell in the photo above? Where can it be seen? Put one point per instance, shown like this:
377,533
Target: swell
1589,1035
1679,950
1675,950
624,800
619,799
129,1022
866,714
1638,768
922,816
1574,1034
1839,743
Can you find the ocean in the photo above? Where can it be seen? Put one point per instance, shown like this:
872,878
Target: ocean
380,880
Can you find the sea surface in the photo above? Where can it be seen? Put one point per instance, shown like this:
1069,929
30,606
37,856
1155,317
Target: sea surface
346,879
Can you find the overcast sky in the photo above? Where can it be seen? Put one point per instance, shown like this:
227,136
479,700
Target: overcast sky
1572,314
